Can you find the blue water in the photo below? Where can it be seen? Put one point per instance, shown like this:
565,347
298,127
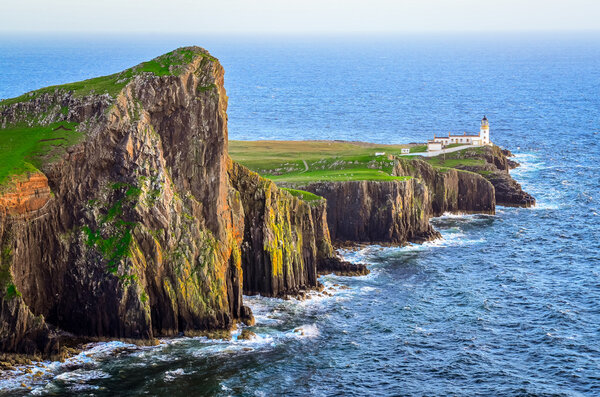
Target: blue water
502,305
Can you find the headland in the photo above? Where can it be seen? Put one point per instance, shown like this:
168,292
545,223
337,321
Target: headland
125,212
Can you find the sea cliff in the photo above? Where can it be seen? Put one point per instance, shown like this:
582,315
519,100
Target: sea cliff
376,195
134,222
122,214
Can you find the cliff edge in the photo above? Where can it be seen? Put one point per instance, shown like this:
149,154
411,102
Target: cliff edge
126,218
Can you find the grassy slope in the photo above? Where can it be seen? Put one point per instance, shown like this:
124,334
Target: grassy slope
112,84
25,148
455,159
284,161
306,196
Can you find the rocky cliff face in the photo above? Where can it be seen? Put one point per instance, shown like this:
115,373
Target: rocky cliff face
452,190
280,247
286,240
150,229
385,212
495,168
141,235
396,212
29,194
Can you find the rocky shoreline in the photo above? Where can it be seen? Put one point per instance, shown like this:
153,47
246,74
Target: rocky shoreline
145,228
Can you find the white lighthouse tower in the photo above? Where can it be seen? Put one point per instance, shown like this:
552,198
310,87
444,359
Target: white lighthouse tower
484,132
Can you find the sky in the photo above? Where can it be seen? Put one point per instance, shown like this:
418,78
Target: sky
296,16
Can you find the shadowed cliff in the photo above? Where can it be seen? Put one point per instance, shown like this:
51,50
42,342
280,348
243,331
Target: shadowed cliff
141,226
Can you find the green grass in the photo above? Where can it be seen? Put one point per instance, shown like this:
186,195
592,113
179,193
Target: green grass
452,145
418,149
167,64
335,176
467,157
25,149
453,163
304,195
11,292
287,161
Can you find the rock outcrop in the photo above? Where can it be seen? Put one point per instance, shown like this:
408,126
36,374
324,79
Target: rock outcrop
26,196
398,211
286,240
149,229
495,168
452,190
383,212
279,249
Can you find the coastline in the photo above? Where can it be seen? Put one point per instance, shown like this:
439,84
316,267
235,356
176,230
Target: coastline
169,233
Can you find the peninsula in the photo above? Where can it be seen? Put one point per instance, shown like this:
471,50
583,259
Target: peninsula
122,214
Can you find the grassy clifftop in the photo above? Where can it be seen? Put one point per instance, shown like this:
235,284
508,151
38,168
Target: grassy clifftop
170,63
300,162
24,149
36,127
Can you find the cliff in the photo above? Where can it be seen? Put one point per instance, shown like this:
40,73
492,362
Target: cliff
385,212
279,237
286,239
452,190
122,215
493,164
134,222
396,212
375,195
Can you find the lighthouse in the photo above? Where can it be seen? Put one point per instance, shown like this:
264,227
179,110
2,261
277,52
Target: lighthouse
484,131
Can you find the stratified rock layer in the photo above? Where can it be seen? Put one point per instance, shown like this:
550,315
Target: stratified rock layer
495,168
452,190
388,212
27,194
150,229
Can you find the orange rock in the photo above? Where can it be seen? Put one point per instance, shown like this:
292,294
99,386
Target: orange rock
26,196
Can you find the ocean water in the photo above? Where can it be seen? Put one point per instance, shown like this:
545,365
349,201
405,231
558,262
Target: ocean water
504,305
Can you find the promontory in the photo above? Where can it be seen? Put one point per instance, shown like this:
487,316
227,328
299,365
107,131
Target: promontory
122,214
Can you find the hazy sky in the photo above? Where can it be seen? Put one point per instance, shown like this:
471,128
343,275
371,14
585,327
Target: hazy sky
296,16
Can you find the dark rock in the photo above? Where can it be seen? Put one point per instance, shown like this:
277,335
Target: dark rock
452,190
496,170
388,212
342,268
153,174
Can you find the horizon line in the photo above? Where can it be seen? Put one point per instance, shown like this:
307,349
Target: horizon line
301,33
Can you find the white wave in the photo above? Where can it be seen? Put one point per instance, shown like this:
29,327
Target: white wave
82,375
547,197
76,369
172,375
464,216
305,331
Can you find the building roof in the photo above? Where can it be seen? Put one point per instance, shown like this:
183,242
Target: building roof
464,134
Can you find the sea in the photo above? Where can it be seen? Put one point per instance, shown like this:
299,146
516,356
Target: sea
502,305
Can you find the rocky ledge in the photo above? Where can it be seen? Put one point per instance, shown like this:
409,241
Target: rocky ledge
494,164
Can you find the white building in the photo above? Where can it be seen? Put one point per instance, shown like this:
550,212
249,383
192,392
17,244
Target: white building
480,139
